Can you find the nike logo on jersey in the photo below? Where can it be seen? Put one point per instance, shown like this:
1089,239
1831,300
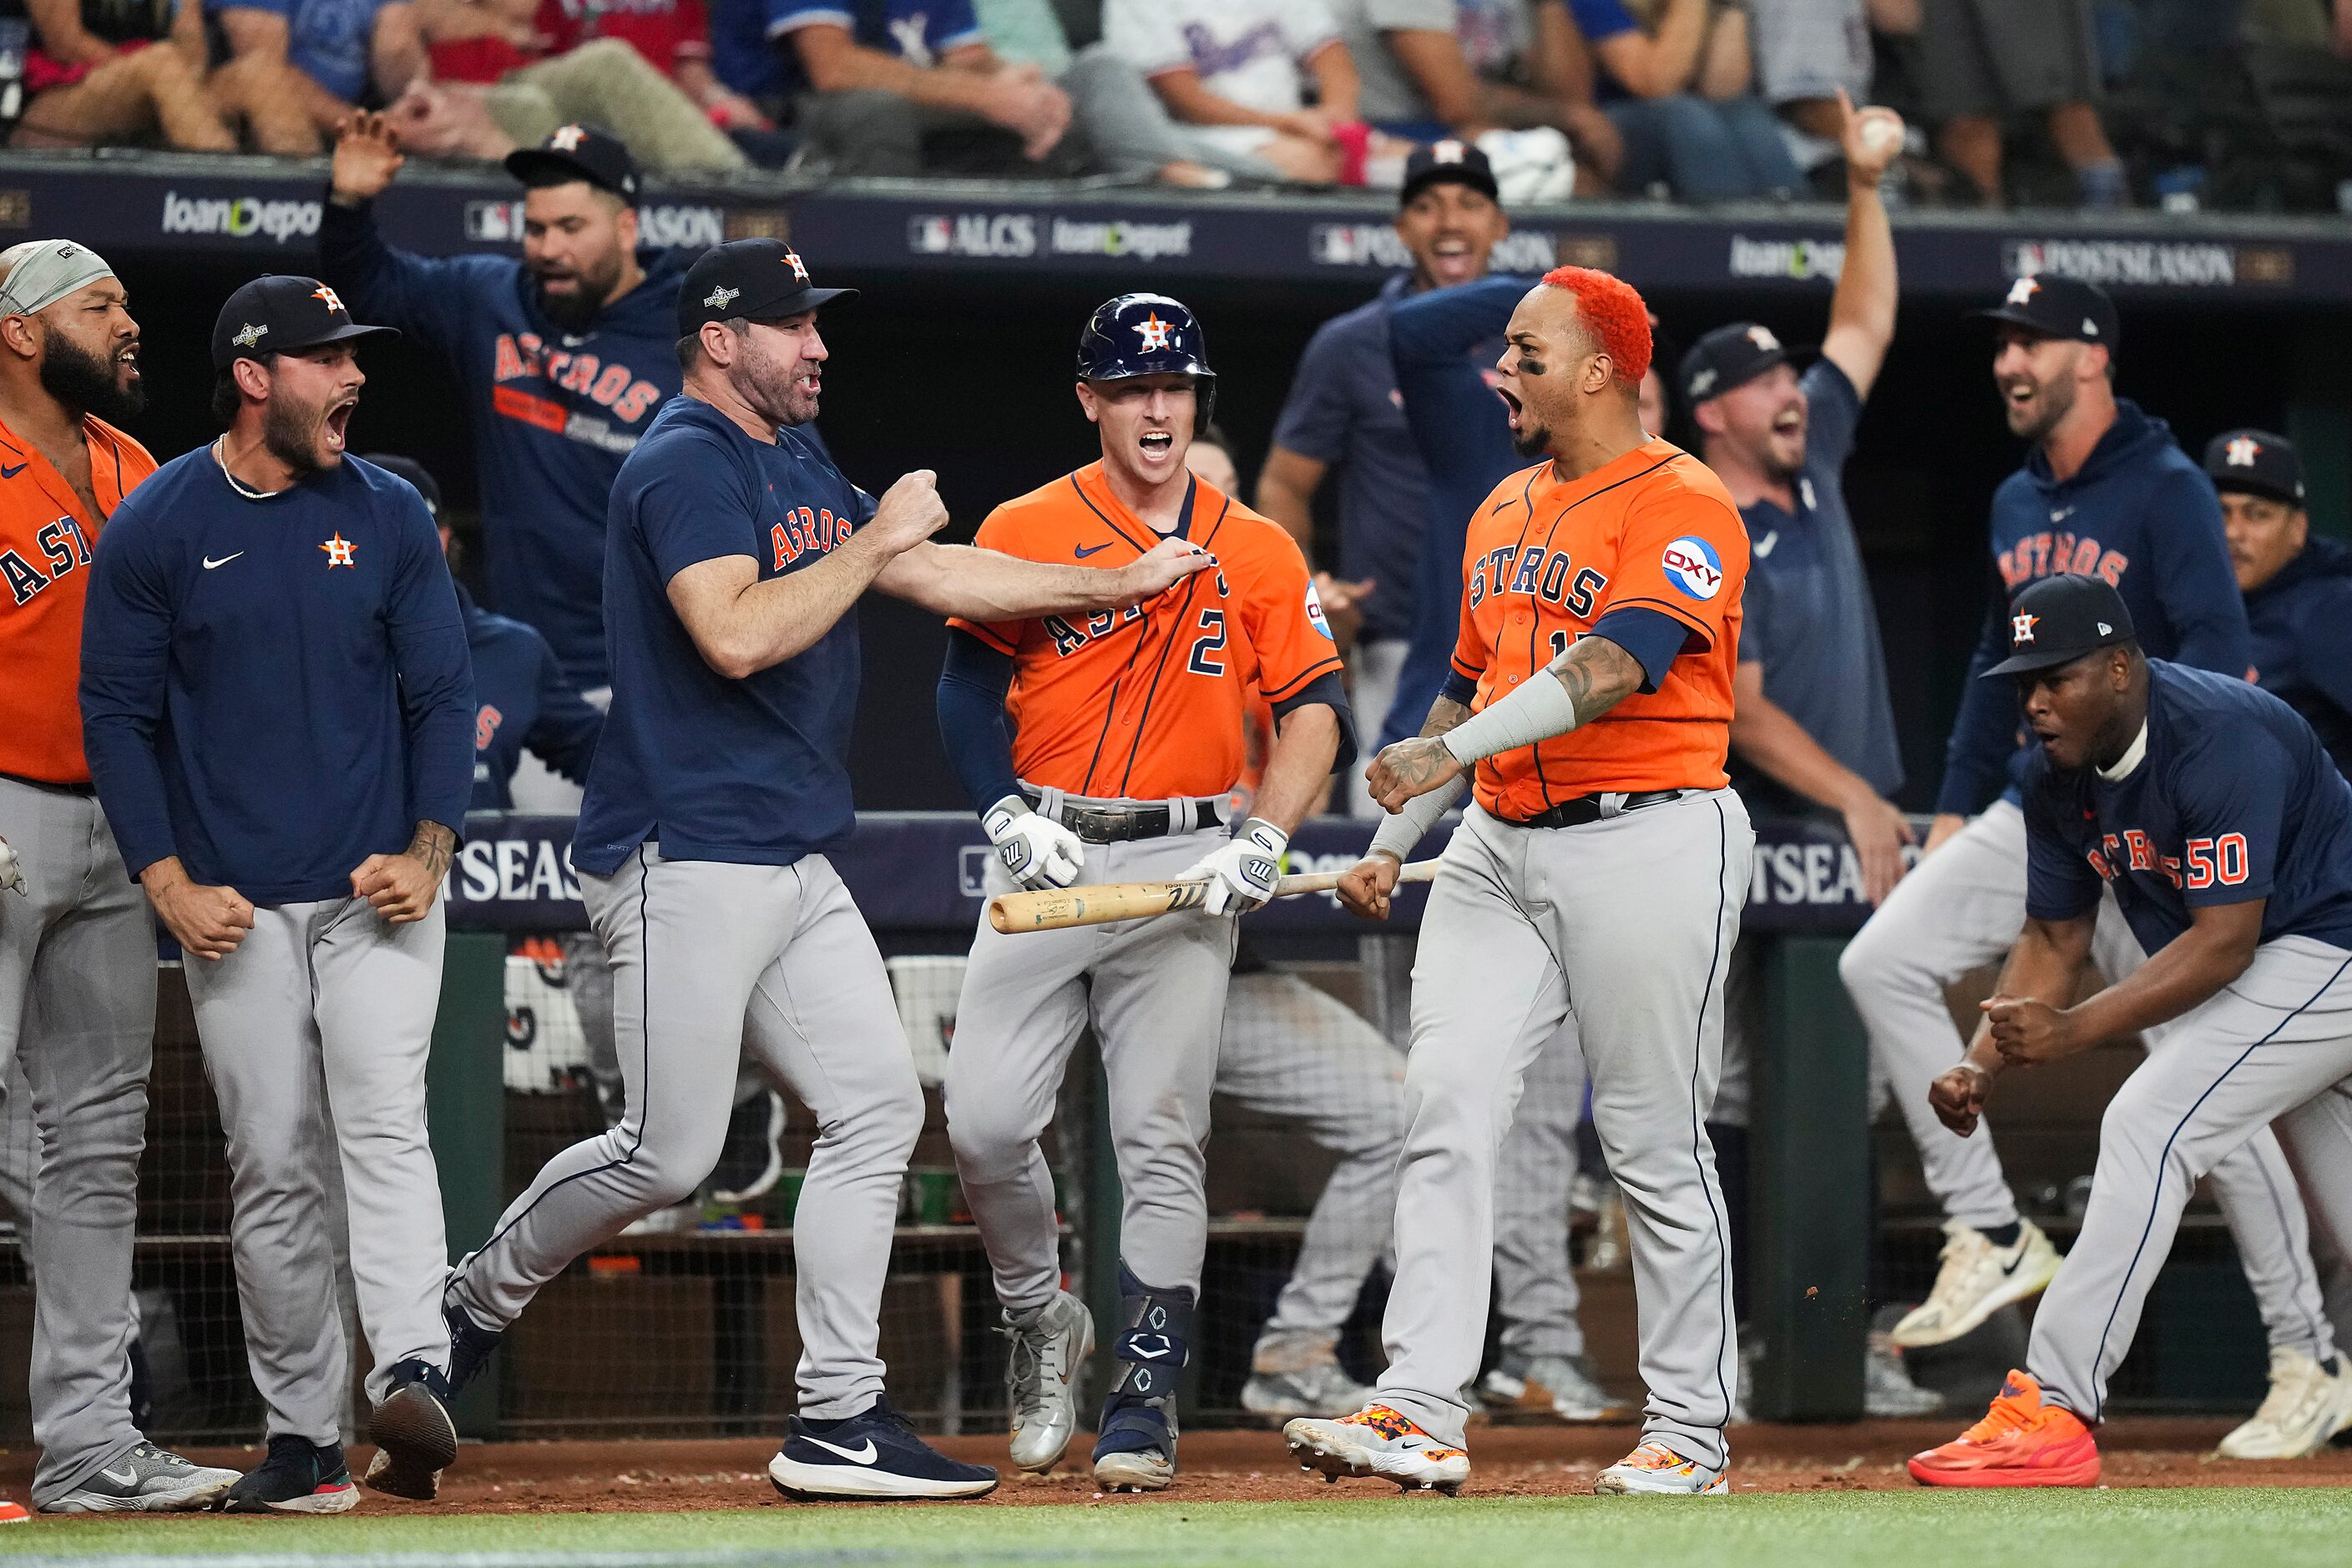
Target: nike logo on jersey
865,1453
1764,545
1083,551
8,473
210,563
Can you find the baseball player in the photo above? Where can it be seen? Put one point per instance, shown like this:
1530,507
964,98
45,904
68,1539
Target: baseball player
1601,871
1125,733
2104,492
2297,584
564,358
737,551
76,944
278,710
2215,816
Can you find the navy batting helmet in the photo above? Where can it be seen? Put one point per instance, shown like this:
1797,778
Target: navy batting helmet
1148,335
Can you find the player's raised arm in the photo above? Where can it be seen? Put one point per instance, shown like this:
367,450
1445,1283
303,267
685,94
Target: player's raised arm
1861,312
988,585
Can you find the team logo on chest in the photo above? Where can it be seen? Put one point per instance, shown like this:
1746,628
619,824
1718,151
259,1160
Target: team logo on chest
1693,566
340,551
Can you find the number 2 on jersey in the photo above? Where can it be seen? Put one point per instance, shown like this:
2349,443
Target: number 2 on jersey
1211,641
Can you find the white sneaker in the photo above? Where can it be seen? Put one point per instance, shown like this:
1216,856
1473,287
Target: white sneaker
1976,1280
1325,1389
1655,1468
2308,1404
1887,1390
1552,1385
1040,1378
1377,1441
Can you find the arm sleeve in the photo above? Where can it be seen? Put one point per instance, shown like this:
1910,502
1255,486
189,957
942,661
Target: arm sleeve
126,634
436,670
1653,640
427,298
2060,883
1444,325
565,735
1685,555
1833,410
2195,580
973,685
1458,687
2232,785
1984,731
1318,416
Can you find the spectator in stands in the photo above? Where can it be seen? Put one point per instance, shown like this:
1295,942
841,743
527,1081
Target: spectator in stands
337,49
1432,69
1807,49
2298,587
1121,120
1345,412
1236,75
1986,62
501,80
892,87
1679,92
118,75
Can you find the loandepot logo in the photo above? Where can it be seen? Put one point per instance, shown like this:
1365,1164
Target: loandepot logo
1804,261
239,217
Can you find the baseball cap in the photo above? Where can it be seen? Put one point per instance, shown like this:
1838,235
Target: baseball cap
2059,308
411,470
1448,159
279,314
756,279
2059,619
577,152
1728,357
2256,462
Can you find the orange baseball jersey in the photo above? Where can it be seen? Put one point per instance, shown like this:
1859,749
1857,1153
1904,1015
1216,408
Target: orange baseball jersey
1546,559
1146,703
45,545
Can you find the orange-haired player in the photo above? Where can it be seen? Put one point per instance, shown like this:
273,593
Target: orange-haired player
1126,736
1598,875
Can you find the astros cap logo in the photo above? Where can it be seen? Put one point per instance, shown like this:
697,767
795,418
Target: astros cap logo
334,300
1156,333
2020,629
1693,566
2241,452
2022,291
566,139
1446,151
792,260
1763,339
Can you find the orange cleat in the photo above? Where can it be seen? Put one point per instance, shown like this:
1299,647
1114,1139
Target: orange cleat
13,1513
2021,1442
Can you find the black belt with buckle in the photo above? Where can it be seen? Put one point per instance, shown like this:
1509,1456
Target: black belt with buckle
1586,808
1124,824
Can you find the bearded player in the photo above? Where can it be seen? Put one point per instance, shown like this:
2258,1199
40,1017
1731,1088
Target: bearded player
1598,875
1126,735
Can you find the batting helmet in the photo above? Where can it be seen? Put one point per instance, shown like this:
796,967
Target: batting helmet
1148,335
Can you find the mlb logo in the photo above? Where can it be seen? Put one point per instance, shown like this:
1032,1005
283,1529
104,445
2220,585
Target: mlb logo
1693,566
930,235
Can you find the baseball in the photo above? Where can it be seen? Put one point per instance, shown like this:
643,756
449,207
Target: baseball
1882,137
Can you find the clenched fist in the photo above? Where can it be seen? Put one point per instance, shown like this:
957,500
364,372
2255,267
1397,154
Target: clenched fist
1958,1096
1366,887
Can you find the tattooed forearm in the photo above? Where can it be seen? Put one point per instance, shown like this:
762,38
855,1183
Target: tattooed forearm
1599,675
433,845
1444,715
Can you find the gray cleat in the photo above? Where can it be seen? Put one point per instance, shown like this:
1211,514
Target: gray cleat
147,1480
1049,1346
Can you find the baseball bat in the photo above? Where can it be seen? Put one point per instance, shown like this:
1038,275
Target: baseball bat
1059,908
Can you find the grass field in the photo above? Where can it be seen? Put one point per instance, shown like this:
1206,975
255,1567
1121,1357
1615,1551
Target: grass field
2176,1528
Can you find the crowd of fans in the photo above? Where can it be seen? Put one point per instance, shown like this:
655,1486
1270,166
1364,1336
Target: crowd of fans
2098,103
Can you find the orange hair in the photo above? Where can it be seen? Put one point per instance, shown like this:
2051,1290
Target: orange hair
1613,312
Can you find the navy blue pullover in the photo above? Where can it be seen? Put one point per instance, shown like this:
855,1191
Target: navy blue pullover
2301,622
273,689
521,701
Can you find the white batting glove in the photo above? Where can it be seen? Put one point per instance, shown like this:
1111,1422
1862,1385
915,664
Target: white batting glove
11,874
1037,852
1242,875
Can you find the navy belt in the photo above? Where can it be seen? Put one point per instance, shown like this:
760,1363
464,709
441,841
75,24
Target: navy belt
1588,808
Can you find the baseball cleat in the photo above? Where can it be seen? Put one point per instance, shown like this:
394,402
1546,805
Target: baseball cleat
2308,1404
415,1438
872,1457
1887,1390
1551,1385
1377,1441
470,1345
1325,1389
1136,1449
1976,1280
13,1514
147,1480
296,1477
2021,1442
1049,1345
1654,1470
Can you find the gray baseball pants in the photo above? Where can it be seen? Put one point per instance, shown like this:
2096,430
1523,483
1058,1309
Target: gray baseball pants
1535,1181
316,1030
1625,924
1292,1051
702,952
1155,990
78,1015
1962,908
2273,1048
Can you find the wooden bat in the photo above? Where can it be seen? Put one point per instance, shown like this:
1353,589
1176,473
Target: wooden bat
1059,908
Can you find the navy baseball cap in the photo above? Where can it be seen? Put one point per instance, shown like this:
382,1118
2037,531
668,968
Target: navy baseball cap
1448,159
2059,619
1728,357
2055,307
2256,462
750,280
577,152
411,470
281,314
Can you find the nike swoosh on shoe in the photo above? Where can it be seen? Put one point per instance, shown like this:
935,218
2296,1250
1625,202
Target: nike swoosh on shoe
864,1455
